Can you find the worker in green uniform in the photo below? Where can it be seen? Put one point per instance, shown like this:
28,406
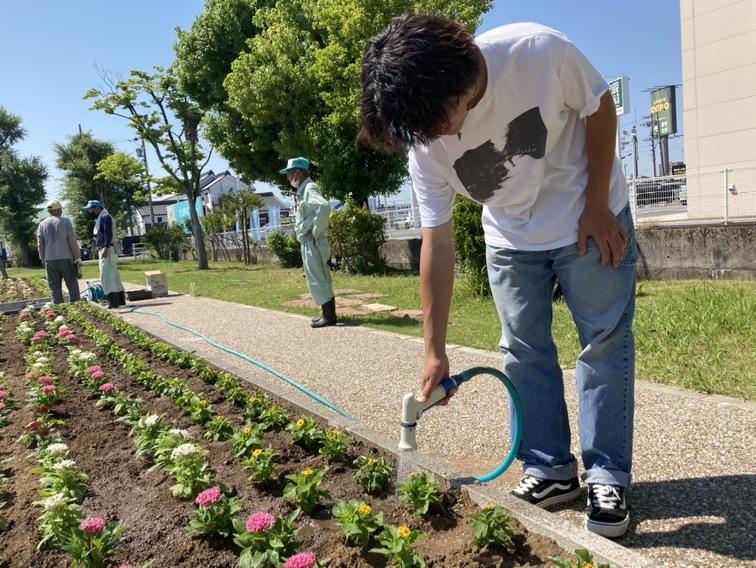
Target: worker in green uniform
311,227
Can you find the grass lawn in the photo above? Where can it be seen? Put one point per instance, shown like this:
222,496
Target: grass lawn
694,334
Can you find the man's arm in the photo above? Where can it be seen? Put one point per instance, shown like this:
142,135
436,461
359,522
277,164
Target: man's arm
436,284
106,226
311,203
41,243
72,244
597,220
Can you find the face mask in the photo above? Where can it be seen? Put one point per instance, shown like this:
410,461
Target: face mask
294,183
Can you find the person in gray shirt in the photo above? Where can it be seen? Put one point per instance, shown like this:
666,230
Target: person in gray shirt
59,253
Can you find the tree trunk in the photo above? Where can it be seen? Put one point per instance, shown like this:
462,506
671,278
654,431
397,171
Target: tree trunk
247,259
199,240
23,255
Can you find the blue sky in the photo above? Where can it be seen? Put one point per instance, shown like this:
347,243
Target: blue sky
50,49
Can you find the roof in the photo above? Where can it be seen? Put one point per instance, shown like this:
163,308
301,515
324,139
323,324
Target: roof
211,179
157,208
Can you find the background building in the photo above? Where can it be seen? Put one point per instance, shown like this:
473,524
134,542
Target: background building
719,112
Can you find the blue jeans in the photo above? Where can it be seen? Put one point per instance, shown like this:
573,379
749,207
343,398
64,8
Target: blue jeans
602,302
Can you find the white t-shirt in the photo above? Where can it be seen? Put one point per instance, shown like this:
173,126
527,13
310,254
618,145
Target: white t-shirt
522,153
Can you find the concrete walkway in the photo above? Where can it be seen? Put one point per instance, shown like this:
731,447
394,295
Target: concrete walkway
695,455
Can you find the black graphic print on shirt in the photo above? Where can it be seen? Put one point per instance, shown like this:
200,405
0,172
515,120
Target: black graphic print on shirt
484,170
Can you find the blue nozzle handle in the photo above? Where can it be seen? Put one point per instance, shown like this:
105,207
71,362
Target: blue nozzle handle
451,383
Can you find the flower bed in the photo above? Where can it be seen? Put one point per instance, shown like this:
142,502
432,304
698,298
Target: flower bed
205,472
15,289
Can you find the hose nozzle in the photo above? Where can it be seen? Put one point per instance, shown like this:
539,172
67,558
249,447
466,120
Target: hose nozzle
413,409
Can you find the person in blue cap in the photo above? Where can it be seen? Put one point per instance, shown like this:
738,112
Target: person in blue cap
105,234
311,227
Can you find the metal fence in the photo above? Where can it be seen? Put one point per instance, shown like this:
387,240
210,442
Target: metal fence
713,197
401,222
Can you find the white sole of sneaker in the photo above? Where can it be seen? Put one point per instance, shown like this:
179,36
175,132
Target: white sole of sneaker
563,498
609,530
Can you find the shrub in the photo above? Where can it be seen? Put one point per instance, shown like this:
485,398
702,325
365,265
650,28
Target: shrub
470,244
286,248
356,237
167,242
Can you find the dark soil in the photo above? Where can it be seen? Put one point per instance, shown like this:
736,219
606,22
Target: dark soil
120,487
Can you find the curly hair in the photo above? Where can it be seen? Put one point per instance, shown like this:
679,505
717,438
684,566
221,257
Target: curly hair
411,72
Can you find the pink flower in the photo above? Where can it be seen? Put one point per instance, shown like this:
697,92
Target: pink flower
93,368
97,375
125,566
2,406
3,395
45,380
49,389
63,331
23,316
73,339
93,525
107,387
33,426
260,522
301,560
208,496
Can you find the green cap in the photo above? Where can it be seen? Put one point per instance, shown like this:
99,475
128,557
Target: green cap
296,164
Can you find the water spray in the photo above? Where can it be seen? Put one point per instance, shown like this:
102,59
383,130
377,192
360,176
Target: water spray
413,409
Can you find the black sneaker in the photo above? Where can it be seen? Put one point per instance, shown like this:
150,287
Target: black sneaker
607,512
546,492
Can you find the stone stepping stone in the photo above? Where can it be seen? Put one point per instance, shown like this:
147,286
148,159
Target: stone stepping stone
351,312
348,301
369,296
346,292
378,308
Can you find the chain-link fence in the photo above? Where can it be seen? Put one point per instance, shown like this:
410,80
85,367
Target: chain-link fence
713,197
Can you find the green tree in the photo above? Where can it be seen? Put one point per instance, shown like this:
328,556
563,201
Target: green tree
78,159
22,187
293,87
204,55
169,120
215,223
128,174
241,205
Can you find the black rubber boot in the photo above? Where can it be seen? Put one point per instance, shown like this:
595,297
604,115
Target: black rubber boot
122,298
329,315
112,300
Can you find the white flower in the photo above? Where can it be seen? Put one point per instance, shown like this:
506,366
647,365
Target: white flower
64,464
88,356
180,433
150,420
55,500
57,449
59,318
184,450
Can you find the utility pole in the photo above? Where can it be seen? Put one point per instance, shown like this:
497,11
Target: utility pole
142,152
635,152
